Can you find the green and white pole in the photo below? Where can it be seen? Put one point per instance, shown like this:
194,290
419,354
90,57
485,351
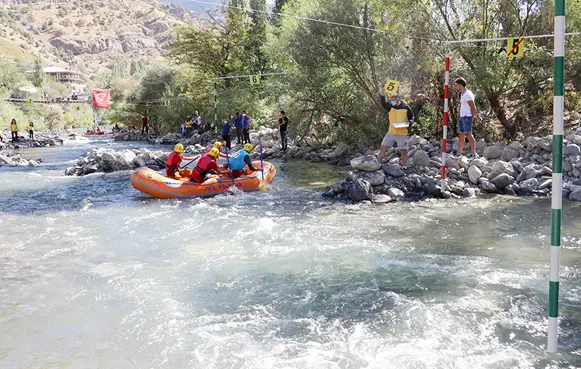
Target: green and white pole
557,194
215,107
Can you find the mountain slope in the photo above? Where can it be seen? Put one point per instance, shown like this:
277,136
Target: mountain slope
88,35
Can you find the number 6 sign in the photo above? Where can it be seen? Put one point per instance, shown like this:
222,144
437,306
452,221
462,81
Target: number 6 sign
391,86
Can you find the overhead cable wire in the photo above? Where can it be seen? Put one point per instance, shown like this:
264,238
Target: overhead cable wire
315,20
379,30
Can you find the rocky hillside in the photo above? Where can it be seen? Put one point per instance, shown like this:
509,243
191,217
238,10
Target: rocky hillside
87,35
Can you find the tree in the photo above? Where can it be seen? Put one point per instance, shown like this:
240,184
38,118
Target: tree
38,77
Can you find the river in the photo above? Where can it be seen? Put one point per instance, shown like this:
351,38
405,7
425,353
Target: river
95,275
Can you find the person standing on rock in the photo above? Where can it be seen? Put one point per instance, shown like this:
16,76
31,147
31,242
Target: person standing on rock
246,127
30,130
14,130
226,127
188,126
144,125
282,126
467,118
401,117
238,125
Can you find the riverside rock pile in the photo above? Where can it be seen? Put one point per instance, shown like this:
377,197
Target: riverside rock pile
40,140
15,160
519,168
107,160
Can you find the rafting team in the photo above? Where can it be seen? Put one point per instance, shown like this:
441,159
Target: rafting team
238,164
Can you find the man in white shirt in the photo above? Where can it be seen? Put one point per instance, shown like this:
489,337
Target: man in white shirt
467,117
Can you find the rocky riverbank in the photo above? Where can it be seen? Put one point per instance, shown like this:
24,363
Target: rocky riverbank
16,160
518,169
40,140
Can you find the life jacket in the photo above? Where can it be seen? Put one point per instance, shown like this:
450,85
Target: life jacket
173,163
189,124
203,167
30,128
13,127
237,160
398,114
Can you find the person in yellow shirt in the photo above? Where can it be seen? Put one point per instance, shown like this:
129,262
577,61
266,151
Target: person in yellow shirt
30,129
189,123
14,130
401,117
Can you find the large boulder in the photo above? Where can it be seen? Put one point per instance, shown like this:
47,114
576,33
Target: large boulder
480,162
374,178
395,193
393,170
509,154
474,174
493,152
339,151
366,163
421,159
546,143
572,149
502,180
575,195
501,167
360,190
528,186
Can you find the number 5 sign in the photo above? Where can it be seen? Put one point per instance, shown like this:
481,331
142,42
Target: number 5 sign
515,47
391,86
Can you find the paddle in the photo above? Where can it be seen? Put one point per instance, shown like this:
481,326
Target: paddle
228,161
189,162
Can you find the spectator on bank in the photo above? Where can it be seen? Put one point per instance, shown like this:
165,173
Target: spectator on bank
30,129
238,125
246,127
467,117
401,117
282,127
14,130
226,127
144,125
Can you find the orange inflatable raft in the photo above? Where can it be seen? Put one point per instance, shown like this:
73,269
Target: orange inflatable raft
154,184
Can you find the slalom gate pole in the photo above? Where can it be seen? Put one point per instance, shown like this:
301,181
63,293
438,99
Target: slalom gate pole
261,162
445,125
557,188
215,107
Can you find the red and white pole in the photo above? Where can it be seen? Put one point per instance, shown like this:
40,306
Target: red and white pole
445,130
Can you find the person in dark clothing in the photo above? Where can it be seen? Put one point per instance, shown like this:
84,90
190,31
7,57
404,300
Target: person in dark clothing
144,125
226,127
282,126
238,125
245,127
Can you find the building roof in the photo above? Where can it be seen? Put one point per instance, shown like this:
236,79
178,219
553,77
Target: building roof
58,70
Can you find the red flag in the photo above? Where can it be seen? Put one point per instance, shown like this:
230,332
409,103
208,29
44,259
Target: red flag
101,98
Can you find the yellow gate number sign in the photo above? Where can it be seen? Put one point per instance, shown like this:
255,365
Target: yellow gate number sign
254,80
166,102
30,101
515,47
391,86
78,108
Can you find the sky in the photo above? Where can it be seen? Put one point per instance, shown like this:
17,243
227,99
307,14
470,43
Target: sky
200,8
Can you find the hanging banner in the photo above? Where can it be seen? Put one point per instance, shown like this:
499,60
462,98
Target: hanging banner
101,99
515,47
